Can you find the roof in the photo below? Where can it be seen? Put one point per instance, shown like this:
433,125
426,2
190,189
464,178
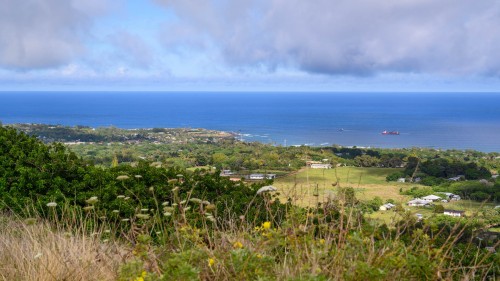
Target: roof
431,197
447,193
418,201
388,205
453,211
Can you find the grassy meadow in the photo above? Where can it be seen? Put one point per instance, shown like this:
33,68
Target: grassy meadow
309,186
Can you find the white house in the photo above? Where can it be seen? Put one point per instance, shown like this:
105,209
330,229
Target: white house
226,173
386,207
453,213
431,198
262,176
401,180
256,176
451,196
457,178
418,203
320,166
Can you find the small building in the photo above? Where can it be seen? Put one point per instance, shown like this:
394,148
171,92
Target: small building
418,203
484,181
270,176
450,196
386,207
401,180
431,198
320,166
226,173
454,213
256,176
457,178
261,176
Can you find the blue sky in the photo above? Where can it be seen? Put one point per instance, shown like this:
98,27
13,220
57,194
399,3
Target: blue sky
239,45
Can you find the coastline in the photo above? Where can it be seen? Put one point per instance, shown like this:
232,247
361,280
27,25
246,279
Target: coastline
82,134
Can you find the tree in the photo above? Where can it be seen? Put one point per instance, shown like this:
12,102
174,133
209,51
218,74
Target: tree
438,209
219,159
366,161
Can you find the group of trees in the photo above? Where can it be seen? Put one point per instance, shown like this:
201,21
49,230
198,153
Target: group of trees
445,168
34,174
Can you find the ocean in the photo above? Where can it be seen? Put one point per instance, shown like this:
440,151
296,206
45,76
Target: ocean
431,120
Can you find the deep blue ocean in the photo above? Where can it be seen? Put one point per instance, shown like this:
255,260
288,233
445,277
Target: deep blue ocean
435,120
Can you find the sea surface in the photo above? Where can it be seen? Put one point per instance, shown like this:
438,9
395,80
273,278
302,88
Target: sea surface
432,120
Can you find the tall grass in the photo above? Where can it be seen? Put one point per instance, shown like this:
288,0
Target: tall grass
330,242
38,249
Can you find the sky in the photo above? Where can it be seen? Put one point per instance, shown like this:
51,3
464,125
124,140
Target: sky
243,45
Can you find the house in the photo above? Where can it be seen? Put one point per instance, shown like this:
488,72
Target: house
431,198
485,182
451,196
262,176
386,207
226,173
256,176
401,180
270,176
320,166
454,213
418,203
457,178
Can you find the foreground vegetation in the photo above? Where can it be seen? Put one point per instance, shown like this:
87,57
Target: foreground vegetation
64,218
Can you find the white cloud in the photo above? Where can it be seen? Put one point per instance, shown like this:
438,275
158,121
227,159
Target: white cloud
361,37
37,34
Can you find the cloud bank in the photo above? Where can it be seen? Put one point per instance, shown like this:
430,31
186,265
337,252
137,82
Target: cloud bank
38,34
361,37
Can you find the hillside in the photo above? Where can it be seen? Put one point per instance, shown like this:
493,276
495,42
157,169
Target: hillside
162,223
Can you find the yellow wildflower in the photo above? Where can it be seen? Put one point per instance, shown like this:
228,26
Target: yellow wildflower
322,241
211,262
141,278
266,225
237,245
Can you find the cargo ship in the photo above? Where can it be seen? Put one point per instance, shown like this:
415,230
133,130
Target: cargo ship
390,133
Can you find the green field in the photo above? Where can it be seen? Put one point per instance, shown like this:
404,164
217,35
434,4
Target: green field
309,186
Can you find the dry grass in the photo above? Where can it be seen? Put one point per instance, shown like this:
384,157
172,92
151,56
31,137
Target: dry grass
35,251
